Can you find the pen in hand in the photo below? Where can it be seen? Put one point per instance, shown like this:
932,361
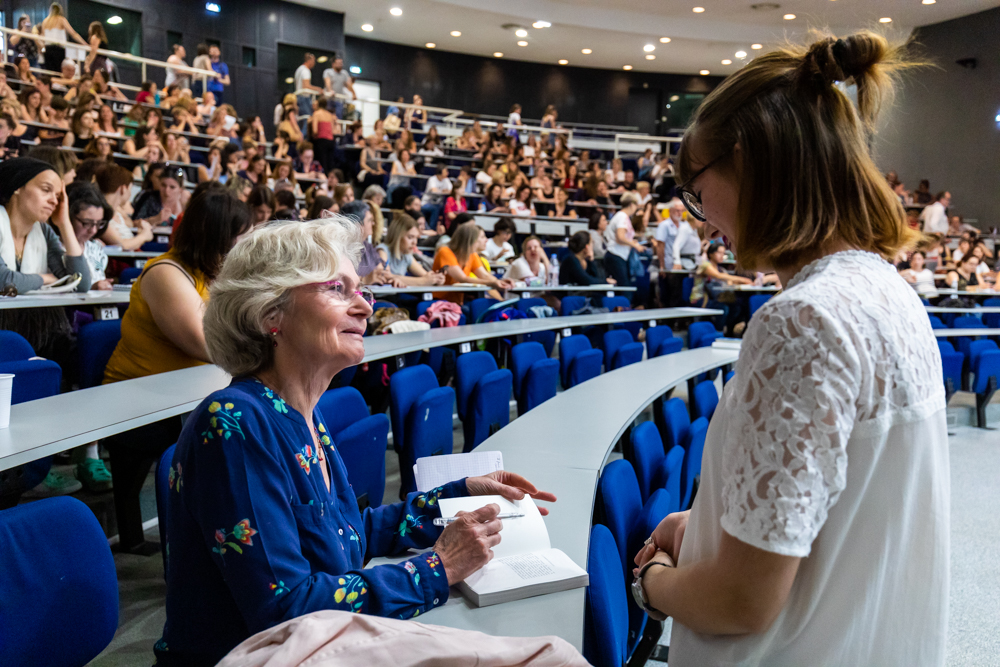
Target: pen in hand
442,521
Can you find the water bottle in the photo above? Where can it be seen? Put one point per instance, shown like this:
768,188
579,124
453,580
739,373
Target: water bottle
553,271
156,98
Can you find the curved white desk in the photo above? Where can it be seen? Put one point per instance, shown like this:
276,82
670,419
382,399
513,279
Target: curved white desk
91,298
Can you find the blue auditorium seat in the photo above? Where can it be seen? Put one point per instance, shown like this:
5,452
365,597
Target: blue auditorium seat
153,246
382,304
129,275
670,476
647,457
421,412
536,377
605,635
686,286
360,439
701,334
729,376
483,396
991,320
952,365
165,479
620,350
526,304
677,424
96,342
612,302
692,459
756,301
706,399
60,594
578,362
570,304
14,347
479,306
936,322
660,341
986,369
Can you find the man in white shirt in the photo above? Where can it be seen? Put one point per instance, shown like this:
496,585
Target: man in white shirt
338,81
663,241
935,216
687,245
173,76
303,81
432,204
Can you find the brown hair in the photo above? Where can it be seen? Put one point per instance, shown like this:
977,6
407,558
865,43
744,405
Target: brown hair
788,117
112,177
463,241
95,28
401,224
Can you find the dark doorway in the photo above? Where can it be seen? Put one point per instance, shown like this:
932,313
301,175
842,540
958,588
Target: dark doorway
124,30
644,109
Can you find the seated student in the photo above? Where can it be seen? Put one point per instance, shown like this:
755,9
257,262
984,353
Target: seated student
597,226
162,328
398,250
372,267
162,205
917,274
561,208
460,262
401,171
287,206
498,247
963,277
58,110
983,268
115,184
89,214
532,266
322,206
455,204
147,94
521,203
154,155
261,202
708,278
579,267
305,165
493,201
10,145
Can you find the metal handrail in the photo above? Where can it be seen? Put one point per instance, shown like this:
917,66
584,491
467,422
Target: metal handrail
644,137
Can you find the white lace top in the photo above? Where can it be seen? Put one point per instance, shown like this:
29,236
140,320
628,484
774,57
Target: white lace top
830,444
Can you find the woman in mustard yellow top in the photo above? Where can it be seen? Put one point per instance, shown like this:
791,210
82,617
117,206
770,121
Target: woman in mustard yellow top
162,328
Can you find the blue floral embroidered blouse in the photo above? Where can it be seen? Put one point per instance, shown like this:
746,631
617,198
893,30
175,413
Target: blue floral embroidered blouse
254,538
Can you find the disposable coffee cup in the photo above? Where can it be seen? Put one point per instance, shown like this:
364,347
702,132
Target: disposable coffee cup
6,385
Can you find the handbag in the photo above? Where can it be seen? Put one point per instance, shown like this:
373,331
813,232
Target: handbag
391,124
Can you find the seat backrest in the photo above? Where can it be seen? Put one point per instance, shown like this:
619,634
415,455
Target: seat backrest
692,459
936,322
96,343
605,637
621,503
129,275
647,454
540,384
489,406
406,386
428,431
987,365
697,330
677,423
382,304
686,286
967,322
655,336
669,477
945,346
585,366
756,301
341,408
14,347
570,304
153,246
361,447
165,478
977,347
612,302
521,357
614,340
479,306
570,346
33,379
524,305
60,596
706,399
469,368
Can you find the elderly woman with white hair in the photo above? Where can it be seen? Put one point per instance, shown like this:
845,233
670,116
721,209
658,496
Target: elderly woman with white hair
262,524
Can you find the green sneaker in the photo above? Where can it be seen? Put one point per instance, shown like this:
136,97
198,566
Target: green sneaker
94,476
55,484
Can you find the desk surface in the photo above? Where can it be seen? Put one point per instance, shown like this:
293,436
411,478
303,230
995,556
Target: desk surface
384,290
58,423
955,292
132,254
91,298
749,288
573,288
949,333
967,311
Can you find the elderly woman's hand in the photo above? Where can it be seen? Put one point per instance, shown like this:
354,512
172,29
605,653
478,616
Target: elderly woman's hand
466,545
509,485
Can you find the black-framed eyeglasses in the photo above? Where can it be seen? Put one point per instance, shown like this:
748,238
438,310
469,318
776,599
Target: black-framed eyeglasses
691,199
89,224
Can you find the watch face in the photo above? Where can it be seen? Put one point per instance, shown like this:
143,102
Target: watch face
638,594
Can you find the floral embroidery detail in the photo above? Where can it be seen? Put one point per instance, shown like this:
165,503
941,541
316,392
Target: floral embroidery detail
408,524
354,536
325,439
306,457
223,422
432,562
242,533
279,403
352,587
161,646
278,588
412,569
175,478
428,499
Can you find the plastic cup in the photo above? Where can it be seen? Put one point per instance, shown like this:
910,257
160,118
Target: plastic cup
6,385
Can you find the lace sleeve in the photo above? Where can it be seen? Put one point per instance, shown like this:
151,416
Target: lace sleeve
796,387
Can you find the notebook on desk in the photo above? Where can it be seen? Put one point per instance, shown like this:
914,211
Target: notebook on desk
524,563
431,472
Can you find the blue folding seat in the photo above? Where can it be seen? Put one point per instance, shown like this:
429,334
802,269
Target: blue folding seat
976,348
14,347
578,362
660,341
620,350
701,334
536,377
546,338
165,479
729,376
479,306
382,304
936,322
987,372
129,275
605,635
962,343
612,302
686,286
420,412
756,301
692,459
952,368
670,476
570,304
360,439
153,246
60,596
647,457
483,396
676,423
526,304
96,342
706,399
991,320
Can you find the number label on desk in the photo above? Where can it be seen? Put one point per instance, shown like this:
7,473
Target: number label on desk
139,263
465,347
400,361
525,295
567,332
107,313
652,323
611,293
163,239
428,296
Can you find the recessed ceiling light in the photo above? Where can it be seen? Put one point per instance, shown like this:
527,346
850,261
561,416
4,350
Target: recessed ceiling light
367,27
727,61
650,57
541,24
114,20
456,33
648,48
498,55
697,10
522,43
664,40
322,59
789,17
586,52
290,80
626,67
674,98
929,2
430,45
885,19
704,72
396,11
564,62
741,54
756,46
521,32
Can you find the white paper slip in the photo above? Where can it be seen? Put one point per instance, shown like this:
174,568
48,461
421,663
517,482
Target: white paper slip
727,343
431,472
519,536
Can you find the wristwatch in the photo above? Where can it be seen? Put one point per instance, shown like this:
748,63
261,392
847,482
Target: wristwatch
639,594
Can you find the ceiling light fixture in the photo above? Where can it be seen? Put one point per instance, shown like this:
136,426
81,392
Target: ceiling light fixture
664,40
674,98
586,52
564,62
756,46
704,72
727,61
396,11
885,19
929,2
522,43
741,54
114,20
290,80
355,69
456,33
789,17
322,59
541,24
498,55
367,27
650,57
648,48
430,45
521,32
626,67
697,10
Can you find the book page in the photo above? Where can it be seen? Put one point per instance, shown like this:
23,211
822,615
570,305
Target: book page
433,471
511,572
519,536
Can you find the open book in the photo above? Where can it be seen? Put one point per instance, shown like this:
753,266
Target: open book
524,563
65,284
431,472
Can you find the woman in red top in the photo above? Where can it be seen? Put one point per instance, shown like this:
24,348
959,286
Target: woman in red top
571,181
324,127
455,204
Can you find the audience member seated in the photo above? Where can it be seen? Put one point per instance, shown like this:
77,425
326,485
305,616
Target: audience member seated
261,202
162,328
370,163
579,267
532,266
492,202
455,204
89,214
81,131
306,166
398,250
10,145
401,171
438,187
256,171
521,203
560,208
706,292
917,274
287,207
162,205
107,121
115,183
153,154
498,247
460,262
923,195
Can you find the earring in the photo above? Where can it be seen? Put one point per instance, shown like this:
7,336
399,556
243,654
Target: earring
274,336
